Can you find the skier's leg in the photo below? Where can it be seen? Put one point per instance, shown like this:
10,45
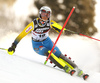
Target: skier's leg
73,65
48,43
40,49
63,57
70,64
61,64
57,58
55,61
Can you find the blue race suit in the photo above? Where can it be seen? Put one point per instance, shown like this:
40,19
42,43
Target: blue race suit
43,47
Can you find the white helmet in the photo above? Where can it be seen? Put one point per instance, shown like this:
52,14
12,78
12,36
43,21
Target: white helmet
45,9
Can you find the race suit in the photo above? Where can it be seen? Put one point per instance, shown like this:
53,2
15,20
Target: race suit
40,40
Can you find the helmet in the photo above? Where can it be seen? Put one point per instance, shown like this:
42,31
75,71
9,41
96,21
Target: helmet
45,11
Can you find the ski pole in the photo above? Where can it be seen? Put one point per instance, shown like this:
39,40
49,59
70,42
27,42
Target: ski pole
60,34
10,53
3,49
82,35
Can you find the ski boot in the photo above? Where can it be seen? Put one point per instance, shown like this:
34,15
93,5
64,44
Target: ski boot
68,70
81,74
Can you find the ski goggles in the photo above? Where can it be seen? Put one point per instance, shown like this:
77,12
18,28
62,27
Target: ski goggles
45,13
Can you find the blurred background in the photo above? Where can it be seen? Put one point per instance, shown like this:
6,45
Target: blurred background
16,14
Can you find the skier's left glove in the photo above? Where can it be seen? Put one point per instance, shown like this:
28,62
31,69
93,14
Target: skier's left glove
11,49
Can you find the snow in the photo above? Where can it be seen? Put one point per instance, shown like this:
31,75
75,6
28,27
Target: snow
25,66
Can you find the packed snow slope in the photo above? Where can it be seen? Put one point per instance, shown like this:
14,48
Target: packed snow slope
25,66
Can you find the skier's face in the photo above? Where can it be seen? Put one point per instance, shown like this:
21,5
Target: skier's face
44,18
45,15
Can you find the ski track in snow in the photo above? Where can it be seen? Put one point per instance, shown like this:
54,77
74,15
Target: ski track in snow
25,66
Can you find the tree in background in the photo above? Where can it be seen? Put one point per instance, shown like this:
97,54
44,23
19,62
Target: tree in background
81,21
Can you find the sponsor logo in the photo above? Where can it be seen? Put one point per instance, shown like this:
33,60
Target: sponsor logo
52,23
36,48
42,29
41,48
27,30
54,51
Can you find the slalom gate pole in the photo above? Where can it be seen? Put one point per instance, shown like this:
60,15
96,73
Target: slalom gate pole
60,34
82,35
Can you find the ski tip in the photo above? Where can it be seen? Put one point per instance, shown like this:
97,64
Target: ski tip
45,62
85,76
72,72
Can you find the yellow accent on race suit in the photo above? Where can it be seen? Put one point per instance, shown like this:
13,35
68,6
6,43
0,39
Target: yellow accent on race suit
27,30
55,25
30,27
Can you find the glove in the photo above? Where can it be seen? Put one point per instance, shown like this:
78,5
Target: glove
11,50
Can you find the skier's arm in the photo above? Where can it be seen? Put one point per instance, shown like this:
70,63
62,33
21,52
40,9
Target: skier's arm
27,30
57,27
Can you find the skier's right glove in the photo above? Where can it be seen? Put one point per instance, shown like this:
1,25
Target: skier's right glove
11,49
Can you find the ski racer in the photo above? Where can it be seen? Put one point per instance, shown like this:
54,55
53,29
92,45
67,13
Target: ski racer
41,42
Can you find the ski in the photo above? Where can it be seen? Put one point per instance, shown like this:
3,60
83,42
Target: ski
82,75
72,72
85,76
3,49
77,71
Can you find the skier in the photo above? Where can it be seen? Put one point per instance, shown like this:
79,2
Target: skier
41,42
